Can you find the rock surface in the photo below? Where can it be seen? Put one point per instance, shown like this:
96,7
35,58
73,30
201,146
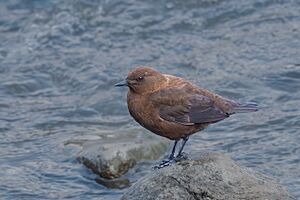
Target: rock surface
113,157
210,176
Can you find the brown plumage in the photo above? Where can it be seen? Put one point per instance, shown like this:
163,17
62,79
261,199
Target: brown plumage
172,107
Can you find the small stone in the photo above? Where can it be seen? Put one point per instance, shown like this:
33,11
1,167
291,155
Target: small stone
112,157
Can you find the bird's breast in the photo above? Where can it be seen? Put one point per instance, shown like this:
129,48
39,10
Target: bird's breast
142,110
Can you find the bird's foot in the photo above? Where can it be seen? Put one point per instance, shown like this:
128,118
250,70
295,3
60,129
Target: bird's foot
182,156
164,163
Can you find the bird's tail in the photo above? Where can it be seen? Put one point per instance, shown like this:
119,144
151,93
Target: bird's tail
245,107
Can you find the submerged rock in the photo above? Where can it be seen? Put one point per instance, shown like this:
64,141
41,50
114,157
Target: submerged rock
119,183
212,176
111,158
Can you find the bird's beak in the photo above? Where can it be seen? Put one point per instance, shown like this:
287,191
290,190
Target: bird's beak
123,83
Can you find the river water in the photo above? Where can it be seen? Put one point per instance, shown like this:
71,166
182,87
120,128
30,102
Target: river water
60,59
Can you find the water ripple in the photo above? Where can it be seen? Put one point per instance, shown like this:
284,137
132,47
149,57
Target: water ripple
60,59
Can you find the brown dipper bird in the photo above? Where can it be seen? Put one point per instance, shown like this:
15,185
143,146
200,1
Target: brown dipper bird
172,107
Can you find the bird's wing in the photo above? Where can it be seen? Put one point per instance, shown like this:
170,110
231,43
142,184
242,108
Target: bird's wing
186,107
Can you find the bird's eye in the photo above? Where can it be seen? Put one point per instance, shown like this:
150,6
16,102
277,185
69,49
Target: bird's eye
140,78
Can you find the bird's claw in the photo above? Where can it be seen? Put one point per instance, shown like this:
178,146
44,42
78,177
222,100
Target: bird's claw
182,156
170,161
164,163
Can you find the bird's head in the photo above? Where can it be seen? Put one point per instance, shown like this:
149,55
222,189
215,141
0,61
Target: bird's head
143,80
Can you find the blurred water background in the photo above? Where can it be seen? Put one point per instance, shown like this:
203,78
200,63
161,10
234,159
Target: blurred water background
60,59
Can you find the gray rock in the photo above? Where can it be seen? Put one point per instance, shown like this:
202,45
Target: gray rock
212,176
112,157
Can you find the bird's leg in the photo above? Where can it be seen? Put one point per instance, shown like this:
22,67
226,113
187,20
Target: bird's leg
171,156
181,155
169,160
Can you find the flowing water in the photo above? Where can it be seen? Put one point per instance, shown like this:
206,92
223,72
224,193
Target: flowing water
60,59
